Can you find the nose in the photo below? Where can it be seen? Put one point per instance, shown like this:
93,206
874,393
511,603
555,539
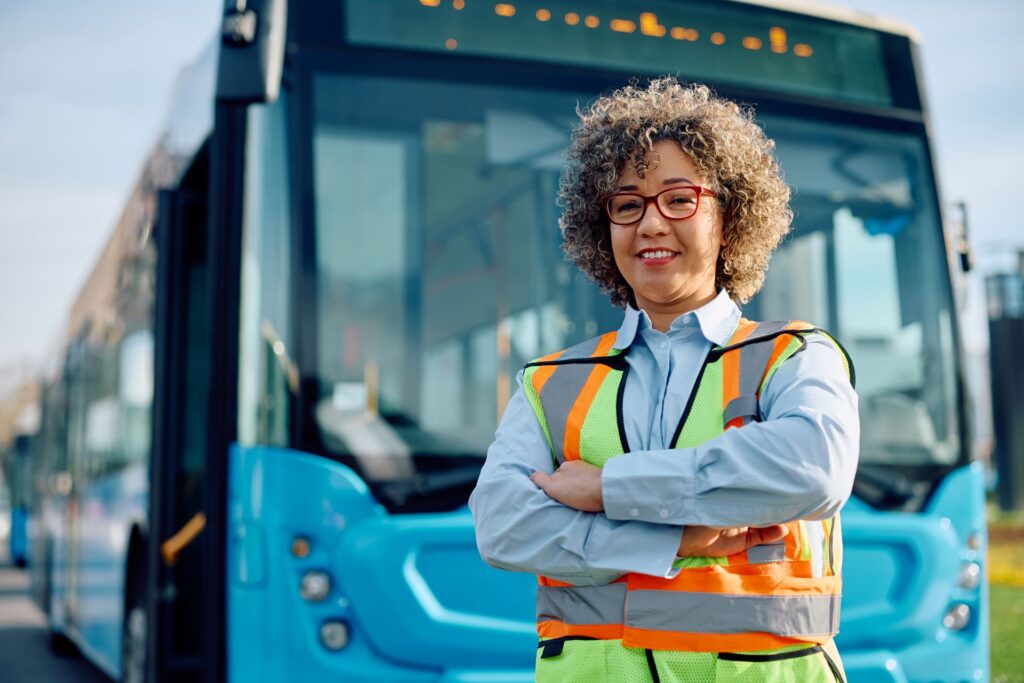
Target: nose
652,223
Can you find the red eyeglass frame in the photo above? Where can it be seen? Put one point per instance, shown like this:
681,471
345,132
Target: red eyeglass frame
648,198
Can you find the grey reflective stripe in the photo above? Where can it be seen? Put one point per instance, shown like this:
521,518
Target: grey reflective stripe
582,604
769,328
769,552
585,349
783,615
741,406
754,357
558,396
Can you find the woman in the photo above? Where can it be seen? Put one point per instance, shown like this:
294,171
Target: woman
675,484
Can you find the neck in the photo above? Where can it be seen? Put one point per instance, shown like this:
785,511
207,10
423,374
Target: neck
662,315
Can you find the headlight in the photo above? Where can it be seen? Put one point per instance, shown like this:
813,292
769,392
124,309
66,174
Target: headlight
970,575
334,634
957,617
316,586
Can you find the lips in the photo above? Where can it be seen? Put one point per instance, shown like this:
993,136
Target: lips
656,257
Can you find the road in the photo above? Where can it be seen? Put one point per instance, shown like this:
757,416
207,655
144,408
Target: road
25,655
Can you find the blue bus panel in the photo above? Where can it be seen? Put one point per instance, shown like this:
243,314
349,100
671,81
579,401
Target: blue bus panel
409,598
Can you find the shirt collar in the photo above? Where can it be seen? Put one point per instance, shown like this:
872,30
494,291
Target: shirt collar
717,318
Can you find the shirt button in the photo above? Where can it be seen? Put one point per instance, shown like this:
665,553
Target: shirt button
687,318
634,512
662,344
663,514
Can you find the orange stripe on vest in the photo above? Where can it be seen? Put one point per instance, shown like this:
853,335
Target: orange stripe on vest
711,642
574,423
789,578
556,629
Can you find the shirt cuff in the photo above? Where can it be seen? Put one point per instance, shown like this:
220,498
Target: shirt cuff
650,486
647,548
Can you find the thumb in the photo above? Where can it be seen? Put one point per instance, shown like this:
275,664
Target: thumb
541,479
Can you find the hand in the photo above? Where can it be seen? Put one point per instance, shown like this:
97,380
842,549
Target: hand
705,541
576,484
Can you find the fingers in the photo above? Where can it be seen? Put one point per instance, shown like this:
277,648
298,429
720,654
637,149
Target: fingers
541,479
769,534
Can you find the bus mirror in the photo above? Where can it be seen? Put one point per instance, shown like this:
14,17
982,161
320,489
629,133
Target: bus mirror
251,50
963,245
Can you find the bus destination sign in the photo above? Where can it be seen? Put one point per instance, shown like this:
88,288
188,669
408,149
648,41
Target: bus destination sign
717,42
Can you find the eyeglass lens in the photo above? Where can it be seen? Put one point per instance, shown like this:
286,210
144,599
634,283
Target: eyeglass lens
674,203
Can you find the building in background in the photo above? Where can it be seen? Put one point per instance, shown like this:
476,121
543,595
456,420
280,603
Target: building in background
1006,330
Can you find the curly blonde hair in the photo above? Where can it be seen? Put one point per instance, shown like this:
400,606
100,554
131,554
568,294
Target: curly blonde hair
726,145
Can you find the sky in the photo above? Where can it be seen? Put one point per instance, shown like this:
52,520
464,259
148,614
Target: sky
85,89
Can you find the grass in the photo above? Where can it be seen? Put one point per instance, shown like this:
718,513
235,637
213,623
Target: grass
1006,574
1007,604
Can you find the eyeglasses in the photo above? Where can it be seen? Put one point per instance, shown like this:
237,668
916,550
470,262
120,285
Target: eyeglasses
675,203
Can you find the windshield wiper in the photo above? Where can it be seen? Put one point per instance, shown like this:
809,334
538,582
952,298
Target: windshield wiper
436,490
886,488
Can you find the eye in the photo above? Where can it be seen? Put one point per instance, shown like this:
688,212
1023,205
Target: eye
680,200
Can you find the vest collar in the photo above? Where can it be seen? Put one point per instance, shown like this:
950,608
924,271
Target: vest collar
718,319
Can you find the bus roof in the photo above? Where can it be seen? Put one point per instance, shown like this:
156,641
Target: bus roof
844,15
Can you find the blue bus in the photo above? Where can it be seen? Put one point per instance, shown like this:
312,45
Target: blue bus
279,382
17,474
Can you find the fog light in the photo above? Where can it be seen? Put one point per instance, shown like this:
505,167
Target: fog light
316,586
300,547
970,575
957,617
334,635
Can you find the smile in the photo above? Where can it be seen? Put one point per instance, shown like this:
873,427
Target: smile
656,257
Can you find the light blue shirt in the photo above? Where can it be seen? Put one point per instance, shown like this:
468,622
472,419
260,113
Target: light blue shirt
798,463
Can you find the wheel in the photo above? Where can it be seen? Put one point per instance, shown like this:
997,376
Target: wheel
133,646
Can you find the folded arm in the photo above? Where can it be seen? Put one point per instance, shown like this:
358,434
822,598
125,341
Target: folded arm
520,528
798,463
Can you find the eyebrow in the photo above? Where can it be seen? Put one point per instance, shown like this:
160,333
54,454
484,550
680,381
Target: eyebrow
669,181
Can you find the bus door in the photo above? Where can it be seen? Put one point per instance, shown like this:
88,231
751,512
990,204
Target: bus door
176,559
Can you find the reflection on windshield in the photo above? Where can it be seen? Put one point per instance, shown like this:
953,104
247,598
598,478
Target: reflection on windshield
439,271
438,263
866,261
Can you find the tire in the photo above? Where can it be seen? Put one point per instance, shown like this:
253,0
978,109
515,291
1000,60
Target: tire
133,644
135,625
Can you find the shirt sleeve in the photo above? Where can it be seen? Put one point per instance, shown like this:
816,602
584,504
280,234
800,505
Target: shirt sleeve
798,463
520,528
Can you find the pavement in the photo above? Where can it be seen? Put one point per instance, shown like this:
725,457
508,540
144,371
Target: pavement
25,654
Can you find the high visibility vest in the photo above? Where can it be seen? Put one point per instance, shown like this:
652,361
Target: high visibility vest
768,596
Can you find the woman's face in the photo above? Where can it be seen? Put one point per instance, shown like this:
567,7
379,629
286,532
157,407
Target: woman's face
669,264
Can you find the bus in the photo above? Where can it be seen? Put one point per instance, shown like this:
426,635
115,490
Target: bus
17,475
19,423
279,383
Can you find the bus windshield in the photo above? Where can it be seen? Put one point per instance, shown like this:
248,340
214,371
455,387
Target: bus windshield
439,272
867,261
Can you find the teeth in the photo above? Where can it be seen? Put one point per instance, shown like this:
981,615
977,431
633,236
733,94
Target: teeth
663,253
